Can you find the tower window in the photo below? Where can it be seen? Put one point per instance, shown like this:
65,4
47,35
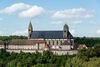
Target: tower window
29,29
64,31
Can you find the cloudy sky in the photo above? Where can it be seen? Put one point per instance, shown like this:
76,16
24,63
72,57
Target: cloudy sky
82,16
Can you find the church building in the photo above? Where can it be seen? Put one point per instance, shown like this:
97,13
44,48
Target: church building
56,39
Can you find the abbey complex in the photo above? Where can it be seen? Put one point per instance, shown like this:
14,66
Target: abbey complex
59,42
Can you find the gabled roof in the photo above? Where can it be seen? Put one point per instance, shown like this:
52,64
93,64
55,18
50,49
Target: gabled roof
49,35
25,42
66,42
81,46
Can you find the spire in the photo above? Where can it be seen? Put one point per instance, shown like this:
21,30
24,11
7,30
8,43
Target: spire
30,30
65,31
30,27
66,27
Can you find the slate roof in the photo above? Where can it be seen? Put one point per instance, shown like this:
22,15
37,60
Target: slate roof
50,35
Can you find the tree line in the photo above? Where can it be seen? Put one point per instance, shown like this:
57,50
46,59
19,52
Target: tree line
85,58
88,41
8,38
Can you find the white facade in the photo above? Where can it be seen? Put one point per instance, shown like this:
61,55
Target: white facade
34,46
61,47
21,47
64,52
57,41
56,46
56,52
1,46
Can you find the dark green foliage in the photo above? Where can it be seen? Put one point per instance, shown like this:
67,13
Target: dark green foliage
31,59
85,58
90,42
17,37
8,38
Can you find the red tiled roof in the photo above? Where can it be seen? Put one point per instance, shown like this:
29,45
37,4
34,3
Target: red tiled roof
25,42
38,41
82,46
66,42
46,46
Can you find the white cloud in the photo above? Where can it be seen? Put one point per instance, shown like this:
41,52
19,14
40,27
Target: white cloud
74,13
77,22
24,33
2,33
31,12
23,10
57,23
98,31
14,8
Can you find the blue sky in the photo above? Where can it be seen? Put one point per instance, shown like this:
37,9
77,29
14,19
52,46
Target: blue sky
82,16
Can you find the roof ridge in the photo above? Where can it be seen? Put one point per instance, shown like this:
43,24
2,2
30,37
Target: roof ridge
48,30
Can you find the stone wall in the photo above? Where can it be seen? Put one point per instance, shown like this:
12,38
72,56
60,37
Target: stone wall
56,52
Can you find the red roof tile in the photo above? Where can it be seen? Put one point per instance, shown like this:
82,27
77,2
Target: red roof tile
25,42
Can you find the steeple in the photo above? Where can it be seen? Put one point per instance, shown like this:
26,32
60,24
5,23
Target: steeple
30,30
65,31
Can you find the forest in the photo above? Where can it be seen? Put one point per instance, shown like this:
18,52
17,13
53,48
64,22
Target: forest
8,38
85,58
88,41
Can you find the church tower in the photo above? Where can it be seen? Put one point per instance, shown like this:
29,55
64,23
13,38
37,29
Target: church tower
65,31
30,30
